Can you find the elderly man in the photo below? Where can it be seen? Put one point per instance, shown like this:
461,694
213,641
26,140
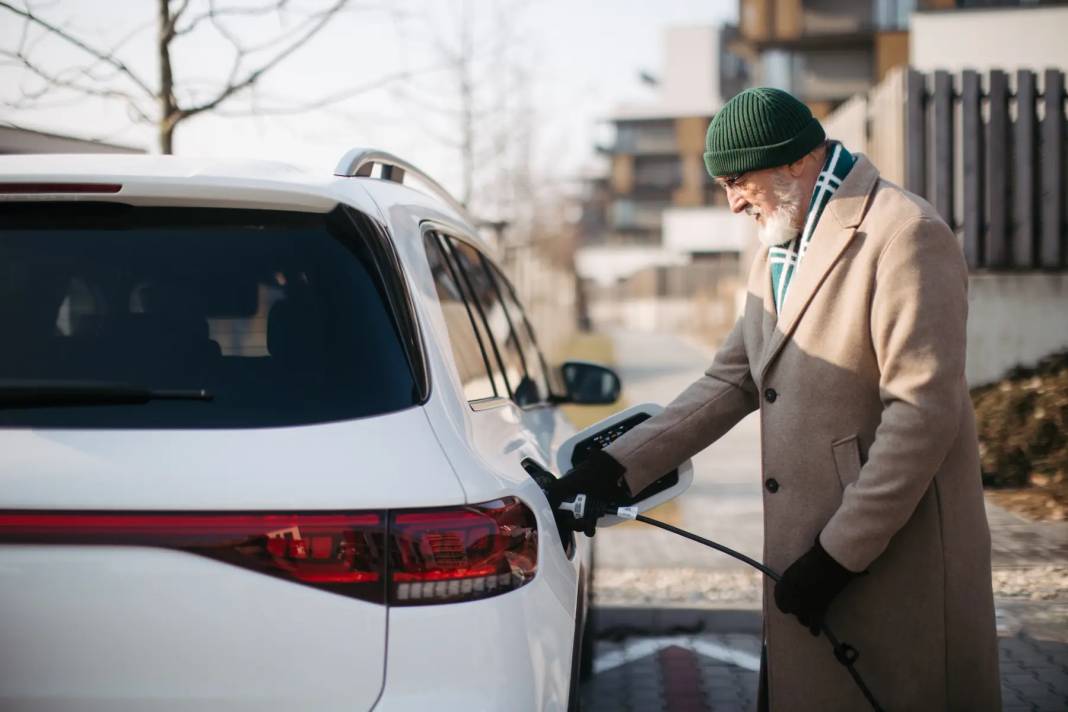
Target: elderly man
852,346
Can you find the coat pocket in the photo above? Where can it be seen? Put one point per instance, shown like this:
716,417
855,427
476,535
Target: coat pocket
847,459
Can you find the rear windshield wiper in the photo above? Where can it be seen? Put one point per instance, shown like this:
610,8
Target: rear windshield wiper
41,394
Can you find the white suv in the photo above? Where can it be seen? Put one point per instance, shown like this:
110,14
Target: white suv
262,446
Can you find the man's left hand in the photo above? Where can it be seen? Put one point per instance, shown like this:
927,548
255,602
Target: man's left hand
808,586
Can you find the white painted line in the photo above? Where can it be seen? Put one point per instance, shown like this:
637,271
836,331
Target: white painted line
644,647
727,654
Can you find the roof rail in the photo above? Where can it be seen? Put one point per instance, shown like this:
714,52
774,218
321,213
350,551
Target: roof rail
360,162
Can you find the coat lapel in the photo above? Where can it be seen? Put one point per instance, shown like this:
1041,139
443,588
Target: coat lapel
833,234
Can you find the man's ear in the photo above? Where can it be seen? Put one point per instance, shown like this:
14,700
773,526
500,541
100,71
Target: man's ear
797,167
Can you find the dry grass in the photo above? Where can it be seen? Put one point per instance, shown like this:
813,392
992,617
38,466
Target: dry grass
1023,439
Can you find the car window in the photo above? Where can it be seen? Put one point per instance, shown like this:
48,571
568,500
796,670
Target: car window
524,391
532,358
282,317
469,348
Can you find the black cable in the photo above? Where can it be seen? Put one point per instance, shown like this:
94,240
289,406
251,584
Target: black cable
844,653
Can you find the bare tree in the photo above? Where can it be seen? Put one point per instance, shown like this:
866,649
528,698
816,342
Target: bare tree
162,103
471,108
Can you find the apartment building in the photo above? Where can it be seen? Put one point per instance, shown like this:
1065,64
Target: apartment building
825,51
654,160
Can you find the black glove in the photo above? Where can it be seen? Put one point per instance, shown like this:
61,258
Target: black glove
599,476
808,586
587,523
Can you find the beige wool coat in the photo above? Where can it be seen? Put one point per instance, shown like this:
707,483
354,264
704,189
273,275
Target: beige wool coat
868,441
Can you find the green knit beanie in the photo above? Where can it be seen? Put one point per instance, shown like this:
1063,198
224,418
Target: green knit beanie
760,128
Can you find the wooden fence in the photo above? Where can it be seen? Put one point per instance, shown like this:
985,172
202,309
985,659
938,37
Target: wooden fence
992,160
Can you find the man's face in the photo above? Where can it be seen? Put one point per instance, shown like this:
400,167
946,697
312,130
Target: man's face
772,197
753,192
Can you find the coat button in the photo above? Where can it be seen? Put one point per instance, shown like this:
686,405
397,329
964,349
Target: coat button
772,484
770,395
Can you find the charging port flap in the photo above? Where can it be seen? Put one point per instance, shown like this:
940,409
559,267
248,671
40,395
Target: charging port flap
599,435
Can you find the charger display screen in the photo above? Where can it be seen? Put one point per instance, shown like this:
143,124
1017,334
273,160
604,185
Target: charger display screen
604,438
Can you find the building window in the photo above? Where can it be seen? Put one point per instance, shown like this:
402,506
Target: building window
893,14
657,173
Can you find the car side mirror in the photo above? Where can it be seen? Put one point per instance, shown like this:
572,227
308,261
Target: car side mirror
590,383
598,436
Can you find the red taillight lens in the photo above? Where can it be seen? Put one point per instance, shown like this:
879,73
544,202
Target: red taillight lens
339,552
434,555
461,553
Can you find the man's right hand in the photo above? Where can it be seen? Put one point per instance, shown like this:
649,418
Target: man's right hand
600,478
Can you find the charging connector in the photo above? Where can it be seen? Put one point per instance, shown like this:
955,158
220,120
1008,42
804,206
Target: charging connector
579,505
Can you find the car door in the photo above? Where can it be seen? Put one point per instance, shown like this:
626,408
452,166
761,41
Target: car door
512,417
512,343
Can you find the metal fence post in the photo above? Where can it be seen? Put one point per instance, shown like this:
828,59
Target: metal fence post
997,252
1052,248
1023,234
972,147
943,146
915,133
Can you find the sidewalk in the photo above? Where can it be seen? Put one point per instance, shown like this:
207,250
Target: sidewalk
679,624
655,621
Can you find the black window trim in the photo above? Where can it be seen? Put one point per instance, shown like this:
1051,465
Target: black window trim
433,235
445,233
550,398
398,297
438,233
496,275
470,294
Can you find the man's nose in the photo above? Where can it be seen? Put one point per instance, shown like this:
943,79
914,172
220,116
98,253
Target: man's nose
736,201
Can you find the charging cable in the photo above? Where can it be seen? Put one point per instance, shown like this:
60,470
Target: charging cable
844,653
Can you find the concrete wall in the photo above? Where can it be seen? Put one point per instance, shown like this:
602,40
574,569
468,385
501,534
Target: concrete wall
1014,319
689,230
1008,39
691,67
873,123
605,264
707,319
849,124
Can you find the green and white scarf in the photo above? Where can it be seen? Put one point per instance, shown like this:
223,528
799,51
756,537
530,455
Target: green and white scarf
786,260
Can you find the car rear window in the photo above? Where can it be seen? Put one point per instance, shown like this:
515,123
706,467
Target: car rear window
283,318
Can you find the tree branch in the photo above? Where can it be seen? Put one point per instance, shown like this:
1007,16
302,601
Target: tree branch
232,88
55,81
64,35
213,13
327,100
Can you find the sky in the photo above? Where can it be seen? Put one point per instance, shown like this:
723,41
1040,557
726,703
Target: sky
579,59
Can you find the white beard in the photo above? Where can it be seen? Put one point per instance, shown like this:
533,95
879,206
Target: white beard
778,228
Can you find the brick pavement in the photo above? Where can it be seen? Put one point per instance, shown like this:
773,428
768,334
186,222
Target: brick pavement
717,671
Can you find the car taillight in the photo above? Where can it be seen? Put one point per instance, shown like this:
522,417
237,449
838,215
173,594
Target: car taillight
461,553
429,556
339,552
